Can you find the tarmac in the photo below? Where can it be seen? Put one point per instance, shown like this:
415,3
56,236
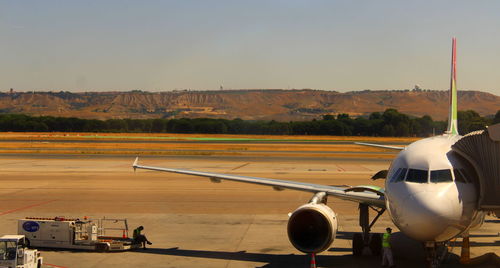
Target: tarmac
193,222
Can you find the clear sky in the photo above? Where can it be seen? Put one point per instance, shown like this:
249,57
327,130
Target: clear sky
166,45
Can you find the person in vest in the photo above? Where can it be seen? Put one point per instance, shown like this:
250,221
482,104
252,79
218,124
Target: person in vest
140,238
386,247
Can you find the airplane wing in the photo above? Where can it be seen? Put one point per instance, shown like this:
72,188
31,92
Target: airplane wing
370,195
380,145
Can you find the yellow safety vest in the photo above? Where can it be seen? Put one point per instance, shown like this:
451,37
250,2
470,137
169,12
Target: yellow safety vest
386,240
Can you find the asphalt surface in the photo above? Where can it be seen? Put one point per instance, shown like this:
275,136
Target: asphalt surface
193,222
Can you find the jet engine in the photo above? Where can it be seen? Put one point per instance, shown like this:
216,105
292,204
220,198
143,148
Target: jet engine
312,227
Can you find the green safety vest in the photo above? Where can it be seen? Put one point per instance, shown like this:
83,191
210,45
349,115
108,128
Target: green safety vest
386,240
137,232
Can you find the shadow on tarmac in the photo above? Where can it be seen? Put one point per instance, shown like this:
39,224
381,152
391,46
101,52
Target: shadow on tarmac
478,244
486,259
300,261
288,260
344,235
407,253
484,235
272,260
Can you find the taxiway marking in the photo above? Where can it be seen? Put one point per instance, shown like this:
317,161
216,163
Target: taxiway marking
53,265
26,207
240,166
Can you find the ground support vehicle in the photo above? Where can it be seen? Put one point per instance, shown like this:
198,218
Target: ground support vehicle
59,232
14,253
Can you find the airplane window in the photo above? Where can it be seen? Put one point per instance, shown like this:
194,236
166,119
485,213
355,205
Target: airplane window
459,176
417,175
395,175
400,175
442,175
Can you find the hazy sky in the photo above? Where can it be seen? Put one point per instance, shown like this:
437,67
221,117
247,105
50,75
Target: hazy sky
164,45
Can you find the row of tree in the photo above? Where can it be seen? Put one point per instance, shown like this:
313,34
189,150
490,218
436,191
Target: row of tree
389,123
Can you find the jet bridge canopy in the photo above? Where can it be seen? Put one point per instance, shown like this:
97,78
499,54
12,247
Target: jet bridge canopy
482,150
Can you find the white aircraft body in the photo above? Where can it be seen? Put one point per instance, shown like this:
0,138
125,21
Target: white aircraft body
429,195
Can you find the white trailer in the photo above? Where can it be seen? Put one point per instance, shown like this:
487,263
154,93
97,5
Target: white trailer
101,235
15,254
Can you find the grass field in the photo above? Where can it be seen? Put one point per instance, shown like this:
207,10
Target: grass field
189,144
194,137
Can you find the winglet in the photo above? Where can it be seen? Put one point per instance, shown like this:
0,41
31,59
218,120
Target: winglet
134,165
452,116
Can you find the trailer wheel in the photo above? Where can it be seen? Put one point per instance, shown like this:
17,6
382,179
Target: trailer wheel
102,247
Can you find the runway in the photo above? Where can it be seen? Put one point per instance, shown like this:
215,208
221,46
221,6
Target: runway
191,221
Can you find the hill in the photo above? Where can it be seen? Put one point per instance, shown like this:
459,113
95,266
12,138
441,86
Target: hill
280,105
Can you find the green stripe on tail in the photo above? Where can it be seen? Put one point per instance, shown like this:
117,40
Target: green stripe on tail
452,117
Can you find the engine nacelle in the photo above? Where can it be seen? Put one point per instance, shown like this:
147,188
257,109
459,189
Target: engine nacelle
312,228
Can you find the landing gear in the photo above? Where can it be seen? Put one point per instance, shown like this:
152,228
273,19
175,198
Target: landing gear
376,244
431,255
357,244
365,242
435,253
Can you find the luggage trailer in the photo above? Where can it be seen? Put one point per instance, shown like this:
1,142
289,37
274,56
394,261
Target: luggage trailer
59,232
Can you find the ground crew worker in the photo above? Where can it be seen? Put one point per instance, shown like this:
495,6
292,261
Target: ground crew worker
140,238
387,251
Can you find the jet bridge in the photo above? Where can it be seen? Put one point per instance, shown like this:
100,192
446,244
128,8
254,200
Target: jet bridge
482,150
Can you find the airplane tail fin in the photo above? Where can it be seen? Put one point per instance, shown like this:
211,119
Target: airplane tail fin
452,116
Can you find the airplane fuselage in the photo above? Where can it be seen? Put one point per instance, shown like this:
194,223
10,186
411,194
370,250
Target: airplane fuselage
430,191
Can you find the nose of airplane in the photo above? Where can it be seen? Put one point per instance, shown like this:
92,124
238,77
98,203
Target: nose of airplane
428,216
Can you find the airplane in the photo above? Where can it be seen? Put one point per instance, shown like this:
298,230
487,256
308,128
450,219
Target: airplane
429,195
